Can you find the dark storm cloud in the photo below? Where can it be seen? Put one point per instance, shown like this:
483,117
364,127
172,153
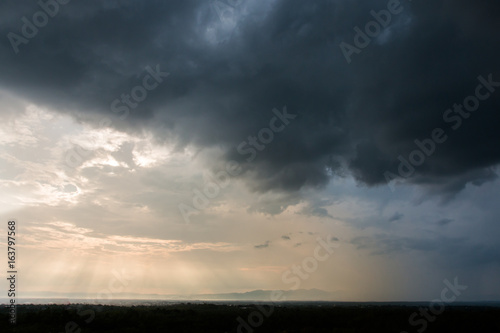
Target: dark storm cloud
317,208
224,82
444,222
396,217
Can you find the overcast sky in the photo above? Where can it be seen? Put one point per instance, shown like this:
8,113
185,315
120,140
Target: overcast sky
205,147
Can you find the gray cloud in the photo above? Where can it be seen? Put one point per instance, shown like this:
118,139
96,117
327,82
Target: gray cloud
317,208
447,251
324,172
263,246
396,217
355,118
444,222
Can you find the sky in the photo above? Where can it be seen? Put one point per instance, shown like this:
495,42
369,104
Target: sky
191,147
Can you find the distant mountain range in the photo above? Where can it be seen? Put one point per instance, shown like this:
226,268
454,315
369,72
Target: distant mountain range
265,295
255,295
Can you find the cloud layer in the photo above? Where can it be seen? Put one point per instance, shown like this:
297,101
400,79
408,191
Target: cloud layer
226,77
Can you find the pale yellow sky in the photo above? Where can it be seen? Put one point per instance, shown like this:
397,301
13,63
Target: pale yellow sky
115,211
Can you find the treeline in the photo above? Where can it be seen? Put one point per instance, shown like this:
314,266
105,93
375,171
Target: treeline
244,319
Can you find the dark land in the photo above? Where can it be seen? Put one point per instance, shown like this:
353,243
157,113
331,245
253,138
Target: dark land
285,317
